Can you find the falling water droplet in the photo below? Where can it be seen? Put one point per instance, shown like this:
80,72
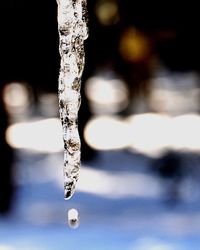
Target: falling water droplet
73,218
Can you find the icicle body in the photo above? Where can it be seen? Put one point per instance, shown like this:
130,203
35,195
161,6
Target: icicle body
72,26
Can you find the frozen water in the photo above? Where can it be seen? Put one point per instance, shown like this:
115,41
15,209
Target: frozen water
72,26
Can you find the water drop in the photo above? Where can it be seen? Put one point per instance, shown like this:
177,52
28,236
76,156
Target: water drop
73,218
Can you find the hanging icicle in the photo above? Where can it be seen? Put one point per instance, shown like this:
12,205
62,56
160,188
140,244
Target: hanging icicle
72,27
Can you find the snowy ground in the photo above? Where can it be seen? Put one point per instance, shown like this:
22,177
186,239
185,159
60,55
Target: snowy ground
121,205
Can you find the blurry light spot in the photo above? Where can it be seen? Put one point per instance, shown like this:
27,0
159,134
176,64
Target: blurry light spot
152,134
106,95
149,133
175,93
2,247
185,131
153,244
116,186
107,12
16,96
43,135
107,133
134,45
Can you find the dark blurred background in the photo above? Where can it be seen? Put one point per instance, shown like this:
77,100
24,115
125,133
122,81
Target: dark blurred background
138,122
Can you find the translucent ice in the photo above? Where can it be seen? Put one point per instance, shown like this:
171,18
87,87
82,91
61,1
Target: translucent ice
72,26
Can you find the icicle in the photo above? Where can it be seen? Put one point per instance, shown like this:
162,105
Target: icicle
72,26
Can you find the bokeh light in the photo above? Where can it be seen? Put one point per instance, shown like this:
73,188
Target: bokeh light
107,94
134,46
17,97
42,136
107,133
107,12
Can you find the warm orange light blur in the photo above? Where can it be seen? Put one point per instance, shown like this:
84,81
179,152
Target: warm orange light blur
134,45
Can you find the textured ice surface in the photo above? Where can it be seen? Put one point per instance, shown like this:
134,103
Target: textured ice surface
72,26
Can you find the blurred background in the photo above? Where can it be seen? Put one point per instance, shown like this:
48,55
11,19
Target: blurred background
139,124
